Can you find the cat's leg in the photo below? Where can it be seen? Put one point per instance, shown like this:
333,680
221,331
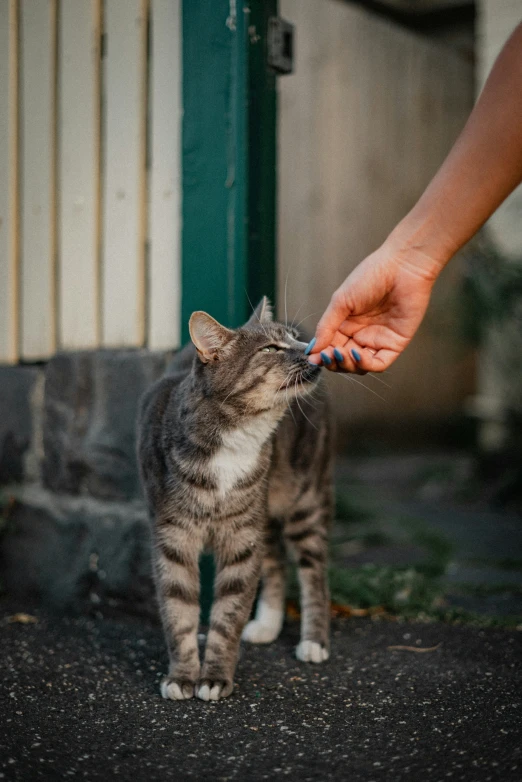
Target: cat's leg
176,566
238,565
271,602
305,533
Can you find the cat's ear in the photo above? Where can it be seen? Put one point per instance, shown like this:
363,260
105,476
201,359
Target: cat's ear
263,313
209,336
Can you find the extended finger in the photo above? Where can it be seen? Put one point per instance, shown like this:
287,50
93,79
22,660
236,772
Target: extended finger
335,314
363,360
328,360
346,361
368,361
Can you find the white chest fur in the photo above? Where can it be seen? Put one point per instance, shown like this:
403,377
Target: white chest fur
239,452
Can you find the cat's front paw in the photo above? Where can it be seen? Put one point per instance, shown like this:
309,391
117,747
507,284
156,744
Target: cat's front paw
177,689
212,690
256,632
311,652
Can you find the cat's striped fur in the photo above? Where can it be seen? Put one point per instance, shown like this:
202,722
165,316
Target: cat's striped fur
229,460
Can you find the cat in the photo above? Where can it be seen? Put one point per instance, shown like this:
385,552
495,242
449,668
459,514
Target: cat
229,460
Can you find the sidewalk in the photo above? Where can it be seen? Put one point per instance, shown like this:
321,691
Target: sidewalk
415,535
429,512
80,699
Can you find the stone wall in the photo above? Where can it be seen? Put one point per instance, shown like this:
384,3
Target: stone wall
74,527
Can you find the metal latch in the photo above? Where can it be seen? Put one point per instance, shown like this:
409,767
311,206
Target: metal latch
280,45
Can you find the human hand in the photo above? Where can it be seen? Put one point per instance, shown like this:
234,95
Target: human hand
376,311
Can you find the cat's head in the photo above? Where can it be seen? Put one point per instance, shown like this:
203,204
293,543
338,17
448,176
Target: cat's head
261,365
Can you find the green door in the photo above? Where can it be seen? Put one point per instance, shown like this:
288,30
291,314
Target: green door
229,103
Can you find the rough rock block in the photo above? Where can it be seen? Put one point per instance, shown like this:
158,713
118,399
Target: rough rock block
89,429
16,419
76,552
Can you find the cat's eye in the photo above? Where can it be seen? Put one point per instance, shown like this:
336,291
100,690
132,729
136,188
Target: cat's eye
270,349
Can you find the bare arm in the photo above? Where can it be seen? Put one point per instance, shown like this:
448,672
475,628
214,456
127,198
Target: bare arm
378,308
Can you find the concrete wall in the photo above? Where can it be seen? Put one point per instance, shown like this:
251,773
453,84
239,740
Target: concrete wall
365,121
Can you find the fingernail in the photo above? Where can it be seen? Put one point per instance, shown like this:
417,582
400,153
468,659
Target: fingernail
308,348
338,355
326,358
356,355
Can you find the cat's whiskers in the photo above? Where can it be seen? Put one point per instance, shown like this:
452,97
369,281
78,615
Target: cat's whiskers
306,318
225,399
285,381
257,316
295,316
299,406
289,403
310,396
284,385
379,379
286,283
353,380
314,393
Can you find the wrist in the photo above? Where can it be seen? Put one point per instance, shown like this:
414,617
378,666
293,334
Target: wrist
421,244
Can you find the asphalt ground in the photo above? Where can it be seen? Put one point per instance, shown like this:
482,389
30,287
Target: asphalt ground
80,700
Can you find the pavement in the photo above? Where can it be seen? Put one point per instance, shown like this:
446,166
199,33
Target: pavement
80,699
79,696
435,508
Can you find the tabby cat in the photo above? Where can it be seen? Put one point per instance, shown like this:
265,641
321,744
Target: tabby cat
231,459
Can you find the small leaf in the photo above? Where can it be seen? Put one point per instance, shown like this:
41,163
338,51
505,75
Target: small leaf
22,619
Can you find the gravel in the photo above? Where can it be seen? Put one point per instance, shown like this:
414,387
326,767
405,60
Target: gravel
80,699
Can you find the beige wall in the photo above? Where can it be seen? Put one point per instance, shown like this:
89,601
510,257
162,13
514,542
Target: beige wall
364,123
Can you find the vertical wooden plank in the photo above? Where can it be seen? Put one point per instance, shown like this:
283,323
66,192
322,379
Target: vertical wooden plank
164,273
37,150
8,180
79,167
123,242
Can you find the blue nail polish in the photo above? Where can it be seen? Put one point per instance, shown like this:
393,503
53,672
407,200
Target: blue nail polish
338,356
308,348
356,355
326,359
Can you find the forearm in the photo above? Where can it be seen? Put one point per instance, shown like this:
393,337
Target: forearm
483,167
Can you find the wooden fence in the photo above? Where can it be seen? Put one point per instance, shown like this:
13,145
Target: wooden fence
90,119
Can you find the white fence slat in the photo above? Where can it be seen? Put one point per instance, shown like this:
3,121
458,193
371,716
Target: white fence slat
79,172
123,250
8,181
37,150
164,271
